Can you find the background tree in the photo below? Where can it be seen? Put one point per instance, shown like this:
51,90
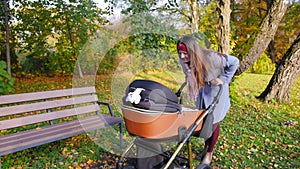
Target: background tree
199,16
149,40
286,33
5,27
286,72
259,40
45,38
223,33
33,26
187,11
51,34
194,15
7,49
4,41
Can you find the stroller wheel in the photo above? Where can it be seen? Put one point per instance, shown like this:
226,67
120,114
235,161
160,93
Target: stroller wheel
120,165
203,166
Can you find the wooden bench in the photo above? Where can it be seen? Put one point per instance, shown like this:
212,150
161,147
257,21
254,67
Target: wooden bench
49,116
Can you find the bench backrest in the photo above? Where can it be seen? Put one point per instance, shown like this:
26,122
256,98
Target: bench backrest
29,108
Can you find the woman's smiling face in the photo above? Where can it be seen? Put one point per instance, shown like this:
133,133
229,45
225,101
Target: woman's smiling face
183,55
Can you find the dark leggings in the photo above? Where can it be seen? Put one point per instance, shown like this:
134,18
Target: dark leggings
211,142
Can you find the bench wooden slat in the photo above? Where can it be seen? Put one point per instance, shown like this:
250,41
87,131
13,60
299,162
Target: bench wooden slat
85,123
79,105
105,119
21,121
5,111
16,98
49,134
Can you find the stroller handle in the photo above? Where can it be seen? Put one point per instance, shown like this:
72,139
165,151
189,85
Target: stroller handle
212,106
178,93
215,101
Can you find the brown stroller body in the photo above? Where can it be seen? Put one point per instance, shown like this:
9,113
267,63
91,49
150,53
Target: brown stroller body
155,125
159,125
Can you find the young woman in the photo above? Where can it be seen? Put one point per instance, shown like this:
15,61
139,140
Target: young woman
204,70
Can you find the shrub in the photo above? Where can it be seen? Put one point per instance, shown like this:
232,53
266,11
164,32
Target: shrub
263,65
6,82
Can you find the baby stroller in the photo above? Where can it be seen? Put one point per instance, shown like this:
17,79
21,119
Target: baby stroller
154,114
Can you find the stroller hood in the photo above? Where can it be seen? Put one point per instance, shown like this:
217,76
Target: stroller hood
151,95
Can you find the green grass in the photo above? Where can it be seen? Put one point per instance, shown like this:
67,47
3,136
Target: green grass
252,135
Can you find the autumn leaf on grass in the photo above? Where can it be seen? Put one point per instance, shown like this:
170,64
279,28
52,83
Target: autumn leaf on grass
90,161
64,152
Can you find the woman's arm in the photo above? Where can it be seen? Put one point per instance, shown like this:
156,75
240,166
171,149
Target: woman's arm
230,64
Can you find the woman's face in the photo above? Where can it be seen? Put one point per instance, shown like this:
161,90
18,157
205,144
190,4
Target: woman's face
183,55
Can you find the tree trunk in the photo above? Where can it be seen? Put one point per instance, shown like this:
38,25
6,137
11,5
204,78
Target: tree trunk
73,44
5,3
268,29
195,15
285,74
74,49
271,51
223,32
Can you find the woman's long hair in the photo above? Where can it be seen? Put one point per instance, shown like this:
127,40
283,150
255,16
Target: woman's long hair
199,66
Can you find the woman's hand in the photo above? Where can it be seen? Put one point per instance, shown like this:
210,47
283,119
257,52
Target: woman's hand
216,81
